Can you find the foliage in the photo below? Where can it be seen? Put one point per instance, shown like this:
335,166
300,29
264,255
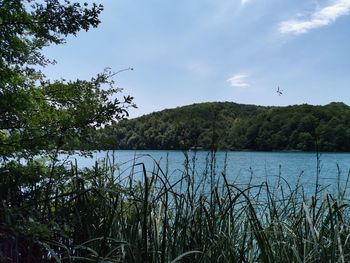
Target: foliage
108,214
35,113
40,116
231,126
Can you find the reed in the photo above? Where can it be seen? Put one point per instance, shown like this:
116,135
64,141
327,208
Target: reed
112,214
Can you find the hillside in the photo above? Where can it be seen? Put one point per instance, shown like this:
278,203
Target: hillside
232,126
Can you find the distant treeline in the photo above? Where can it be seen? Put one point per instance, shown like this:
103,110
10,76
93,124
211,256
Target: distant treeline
231,126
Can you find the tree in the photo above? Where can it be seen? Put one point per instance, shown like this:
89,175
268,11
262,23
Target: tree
36,113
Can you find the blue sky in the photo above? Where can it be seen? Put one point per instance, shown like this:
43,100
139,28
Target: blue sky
190,51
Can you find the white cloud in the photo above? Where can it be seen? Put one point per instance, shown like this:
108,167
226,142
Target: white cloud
322,17
239,81
243,2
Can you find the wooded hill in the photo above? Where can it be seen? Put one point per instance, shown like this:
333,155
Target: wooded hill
232,126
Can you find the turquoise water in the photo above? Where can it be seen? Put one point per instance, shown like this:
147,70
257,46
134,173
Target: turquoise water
241,167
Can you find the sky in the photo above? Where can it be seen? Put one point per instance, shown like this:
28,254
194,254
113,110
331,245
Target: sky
192,51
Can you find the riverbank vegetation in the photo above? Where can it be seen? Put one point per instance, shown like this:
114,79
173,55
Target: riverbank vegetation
232,126
57,213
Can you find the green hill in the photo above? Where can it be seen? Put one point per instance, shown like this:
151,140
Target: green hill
232,126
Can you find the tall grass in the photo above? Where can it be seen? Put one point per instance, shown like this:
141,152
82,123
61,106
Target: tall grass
109,214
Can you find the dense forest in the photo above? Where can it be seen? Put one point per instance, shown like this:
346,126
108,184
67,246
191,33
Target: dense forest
232,126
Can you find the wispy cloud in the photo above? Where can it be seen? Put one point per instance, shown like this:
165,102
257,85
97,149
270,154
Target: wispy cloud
319,18
243,2
239,81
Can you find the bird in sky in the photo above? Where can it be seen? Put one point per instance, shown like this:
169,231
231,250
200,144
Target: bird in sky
279,91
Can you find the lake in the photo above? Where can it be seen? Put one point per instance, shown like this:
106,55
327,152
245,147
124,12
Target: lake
241,167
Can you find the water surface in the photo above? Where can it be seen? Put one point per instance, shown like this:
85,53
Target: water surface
240,167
